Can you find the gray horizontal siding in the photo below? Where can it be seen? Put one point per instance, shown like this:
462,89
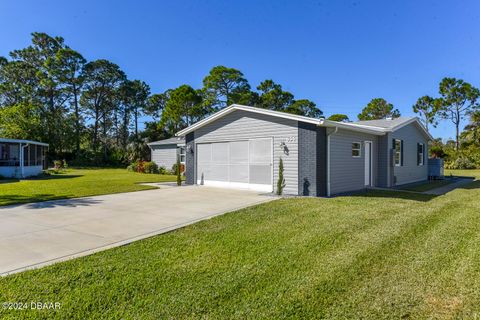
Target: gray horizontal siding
346,172
410,171
240,125
164,155
383,161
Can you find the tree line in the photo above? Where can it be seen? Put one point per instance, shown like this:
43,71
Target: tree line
457,101
90,110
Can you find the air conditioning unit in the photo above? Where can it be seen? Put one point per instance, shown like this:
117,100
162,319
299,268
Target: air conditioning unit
435,169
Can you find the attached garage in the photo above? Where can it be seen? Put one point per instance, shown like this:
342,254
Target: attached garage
238,164
241,147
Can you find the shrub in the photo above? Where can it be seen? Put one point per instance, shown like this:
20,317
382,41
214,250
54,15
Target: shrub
150,167
143,167
162,170
57,164
178,172
174,169
281,179
460,163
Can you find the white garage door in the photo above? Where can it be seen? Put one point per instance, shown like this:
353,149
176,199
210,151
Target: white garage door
237,164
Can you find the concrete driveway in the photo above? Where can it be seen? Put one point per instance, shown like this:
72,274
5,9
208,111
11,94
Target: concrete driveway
37,234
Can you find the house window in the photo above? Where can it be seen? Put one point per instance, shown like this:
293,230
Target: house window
356,147
398,149
420,154
182,154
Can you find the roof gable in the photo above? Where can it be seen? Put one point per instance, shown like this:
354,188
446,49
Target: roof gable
315,121
235,107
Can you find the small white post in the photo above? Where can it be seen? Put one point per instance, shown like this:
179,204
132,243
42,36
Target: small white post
22,158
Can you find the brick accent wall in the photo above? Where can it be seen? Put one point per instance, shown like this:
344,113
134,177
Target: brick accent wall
311,160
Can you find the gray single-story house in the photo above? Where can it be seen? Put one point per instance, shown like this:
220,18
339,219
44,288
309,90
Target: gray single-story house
240,147
165,152
22,158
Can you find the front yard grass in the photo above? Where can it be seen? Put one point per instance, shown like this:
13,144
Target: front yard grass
379,255
76,183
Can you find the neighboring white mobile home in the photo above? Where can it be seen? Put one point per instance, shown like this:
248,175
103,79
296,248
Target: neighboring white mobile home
22,158
165,152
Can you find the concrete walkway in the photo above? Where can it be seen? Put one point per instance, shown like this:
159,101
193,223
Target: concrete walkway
449,187
37,234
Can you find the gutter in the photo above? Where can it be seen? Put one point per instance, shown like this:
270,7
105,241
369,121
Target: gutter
328,160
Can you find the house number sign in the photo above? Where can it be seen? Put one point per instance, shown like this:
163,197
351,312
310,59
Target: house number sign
289,139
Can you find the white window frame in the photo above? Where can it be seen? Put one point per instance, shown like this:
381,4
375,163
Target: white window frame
400,151
422,162
359,149
182,152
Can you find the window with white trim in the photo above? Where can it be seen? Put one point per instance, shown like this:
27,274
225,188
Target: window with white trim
420,154
398,150
356,149
182,154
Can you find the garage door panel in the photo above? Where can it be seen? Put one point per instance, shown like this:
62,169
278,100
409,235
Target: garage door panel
218,172
239,173
260,174
220,152
204,153
260,151
203,171
239,152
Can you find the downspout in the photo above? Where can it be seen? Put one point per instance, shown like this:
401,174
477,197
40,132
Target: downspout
328,160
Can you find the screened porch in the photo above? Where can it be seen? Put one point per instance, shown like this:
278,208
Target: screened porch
22,158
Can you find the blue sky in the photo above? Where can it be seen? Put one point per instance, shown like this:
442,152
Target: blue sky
339,54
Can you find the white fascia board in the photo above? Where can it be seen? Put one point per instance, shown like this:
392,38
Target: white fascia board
278,114
355,127
23,141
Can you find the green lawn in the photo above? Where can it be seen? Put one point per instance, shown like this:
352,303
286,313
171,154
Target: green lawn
381,255
75,183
